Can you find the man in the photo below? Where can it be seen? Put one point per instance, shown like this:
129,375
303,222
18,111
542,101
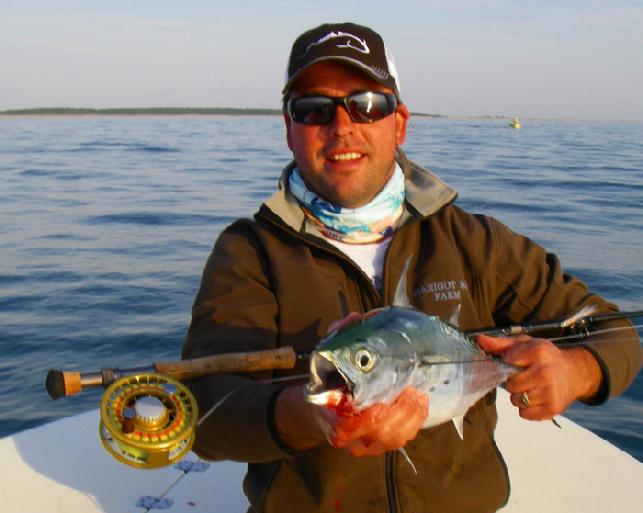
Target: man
350,212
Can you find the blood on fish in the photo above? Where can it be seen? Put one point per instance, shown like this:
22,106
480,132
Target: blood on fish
341,405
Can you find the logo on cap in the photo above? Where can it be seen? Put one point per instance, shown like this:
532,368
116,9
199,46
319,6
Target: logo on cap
350,42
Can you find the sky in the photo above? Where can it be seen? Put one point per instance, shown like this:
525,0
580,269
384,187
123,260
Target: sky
577,59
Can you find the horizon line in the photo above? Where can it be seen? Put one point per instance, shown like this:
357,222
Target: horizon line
253,111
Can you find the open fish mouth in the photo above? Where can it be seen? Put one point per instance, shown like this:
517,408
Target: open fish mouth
328,384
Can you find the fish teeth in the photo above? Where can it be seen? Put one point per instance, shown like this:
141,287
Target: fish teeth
325,398
347,156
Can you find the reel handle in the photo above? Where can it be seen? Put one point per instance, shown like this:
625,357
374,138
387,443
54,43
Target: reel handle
281,358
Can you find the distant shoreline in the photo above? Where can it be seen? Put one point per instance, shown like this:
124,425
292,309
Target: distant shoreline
237,111
157,111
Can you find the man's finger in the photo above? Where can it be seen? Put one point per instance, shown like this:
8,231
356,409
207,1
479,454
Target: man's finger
351,318
495,344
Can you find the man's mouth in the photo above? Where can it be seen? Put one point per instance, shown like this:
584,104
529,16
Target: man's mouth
343,157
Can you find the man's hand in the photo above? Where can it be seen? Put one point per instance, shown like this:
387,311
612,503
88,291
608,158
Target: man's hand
380,427
300,424
553,378
375,430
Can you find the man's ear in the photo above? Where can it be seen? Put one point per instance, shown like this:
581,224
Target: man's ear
288,123
402,116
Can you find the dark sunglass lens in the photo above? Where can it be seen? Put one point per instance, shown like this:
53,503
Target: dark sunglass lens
312,110
369,106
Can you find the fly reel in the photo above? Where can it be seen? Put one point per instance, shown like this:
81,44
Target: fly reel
147,420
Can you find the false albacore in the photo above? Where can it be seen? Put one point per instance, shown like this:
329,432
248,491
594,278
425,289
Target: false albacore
397,347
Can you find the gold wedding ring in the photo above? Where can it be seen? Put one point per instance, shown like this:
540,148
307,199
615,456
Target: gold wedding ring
525,399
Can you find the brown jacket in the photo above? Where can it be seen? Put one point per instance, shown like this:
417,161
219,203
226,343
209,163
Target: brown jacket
273,282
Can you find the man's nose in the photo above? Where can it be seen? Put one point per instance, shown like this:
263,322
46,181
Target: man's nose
341,124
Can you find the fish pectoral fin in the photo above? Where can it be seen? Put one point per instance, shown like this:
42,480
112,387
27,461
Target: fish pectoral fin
458,422
403,452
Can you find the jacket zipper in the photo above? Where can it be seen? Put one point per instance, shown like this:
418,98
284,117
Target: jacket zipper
390,484
389,455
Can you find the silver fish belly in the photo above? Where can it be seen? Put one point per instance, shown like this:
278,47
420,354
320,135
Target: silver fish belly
375,360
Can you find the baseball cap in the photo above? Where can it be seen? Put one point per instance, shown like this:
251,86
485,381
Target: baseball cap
353,44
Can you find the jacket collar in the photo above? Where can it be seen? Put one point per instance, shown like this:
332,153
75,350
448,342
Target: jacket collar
425,195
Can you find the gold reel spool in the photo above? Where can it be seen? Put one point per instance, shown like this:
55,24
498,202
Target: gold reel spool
147,420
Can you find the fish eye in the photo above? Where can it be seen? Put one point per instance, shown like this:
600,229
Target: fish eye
364,360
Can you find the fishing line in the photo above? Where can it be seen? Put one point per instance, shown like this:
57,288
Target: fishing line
216,405
169,488
225,397
285,378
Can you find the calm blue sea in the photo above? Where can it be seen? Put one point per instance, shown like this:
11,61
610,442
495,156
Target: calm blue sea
106,223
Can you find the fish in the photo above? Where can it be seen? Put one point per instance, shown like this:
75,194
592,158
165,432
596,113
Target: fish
398,346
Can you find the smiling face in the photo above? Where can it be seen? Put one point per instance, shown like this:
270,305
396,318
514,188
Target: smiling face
344,162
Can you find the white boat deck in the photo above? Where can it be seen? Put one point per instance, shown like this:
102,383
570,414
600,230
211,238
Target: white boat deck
62,468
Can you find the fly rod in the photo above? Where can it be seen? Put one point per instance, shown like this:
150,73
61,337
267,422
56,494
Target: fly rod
63,383
578,324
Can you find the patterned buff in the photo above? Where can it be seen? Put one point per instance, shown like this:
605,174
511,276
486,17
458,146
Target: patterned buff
369,223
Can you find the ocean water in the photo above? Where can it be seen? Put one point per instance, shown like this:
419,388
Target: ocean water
106,223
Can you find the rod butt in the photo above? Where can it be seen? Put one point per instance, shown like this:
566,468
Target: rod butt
60,384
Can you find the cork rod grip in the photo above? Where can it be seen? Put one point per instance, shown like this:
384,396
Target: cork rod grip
281,358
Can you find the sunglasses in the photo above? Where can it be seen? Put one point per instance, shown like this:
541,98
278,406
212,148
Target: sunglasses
362,107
